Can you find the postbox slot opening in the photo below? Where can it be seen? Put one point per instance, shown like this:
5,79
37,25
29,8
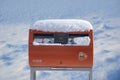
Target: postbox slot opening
78,39
59,39
44,38
78,35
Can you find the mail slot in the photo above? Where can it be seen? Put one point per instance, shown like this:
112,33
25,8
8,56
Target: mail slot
60,48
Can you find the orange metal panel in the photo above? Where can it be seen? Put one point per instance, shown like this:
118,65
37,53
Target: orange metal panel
60,56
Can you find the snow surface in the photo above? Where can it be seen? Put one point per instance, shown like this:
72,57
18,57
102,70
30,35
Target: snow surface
83,41
62,25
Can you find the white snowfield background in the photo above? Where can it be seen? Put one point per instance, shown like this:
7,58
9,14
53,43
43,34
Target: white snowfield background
16,17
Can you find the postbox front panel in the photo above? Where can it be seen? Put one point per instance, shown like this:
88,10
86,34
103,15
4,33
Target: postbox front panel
64,53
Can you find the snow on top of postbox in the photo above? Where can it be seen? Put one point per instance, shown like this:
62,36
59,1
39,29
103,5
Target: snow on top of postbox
62,25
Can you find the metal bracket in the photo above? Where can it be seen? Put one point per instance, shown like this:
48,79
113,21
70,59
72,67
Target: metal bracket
34,69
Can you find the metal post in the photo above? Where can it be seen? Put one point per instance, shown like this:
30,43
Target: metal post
32,74
90,74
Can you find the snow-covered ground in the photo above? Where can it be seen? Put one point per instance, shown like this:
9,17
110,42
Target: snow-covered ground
17,15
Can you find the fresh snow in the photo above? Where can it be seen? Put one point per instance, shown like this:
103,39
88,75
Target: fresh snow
62,25
83,41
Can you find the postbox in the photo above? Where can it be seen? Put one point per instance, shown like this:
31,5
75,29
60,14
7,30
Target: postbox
67,48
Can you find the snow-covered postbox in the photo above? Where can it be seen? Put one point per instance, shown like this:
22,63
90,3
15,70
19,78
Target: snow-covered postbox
61,43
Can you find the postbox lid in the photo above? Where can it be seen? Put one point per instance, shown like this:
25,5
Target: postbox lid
62,25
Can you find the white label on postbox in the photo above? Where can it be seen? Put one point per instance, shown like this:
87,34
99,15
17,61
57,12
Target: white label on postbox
37,60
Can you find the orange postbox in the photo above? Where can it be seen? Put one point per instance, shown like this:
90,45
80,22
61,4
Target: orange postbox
56,52
61,44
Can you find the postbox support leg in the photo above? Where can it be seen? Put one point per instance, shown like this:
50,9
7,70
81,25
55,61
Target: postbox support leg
90,74
32,74
34,69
